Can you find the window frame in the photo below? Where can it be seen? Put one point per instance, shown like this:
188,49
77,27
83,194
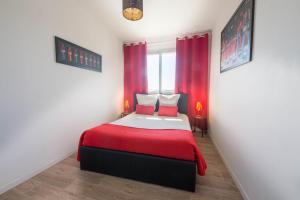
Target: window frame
159,53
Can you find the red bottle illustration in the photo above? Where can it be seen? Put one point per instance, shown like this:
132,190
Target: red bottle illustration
94,61
98,62
76,55
81,57
70,54
86,59
63,51
91,61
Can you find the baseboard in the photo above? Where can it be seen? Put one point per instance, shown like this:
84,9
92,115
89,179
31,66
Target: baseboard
32,174
233,175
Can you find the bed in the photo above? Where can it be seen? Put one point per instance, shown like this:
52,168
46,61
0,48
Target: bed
152,149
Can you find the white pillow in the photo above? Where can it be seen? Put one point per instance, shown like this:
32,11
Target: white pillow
169,100
146,99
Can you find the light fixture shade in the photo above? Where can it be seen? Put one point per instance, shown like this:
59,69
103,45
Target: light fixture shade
126,105
198,106
133,9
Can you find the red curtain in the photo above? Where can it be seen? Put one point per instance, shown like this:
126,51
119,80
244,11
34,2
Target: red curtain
135,71
192,71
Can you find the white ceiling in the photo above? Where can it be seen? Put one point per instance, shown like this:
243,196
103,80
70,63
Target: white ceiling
162,18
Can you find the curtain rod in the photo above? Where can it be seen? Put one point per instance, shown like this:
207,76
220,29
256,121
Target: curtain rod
189,35
180,37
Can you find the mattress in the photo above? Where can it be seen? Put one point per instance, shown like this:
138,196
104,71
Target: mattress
181,122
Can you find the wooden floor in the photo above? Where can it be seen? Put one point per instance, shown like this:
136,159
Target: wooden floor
66,181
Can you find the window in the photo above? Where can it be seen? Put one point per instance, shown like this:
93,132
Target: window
153,73
161,70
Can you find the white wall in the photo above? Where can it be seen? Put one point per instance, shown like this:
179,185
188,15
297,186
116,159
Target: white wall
255,109
45,106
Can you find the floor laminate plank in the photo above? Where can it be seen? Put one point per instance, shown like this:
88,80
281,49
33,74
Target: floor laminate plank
66,181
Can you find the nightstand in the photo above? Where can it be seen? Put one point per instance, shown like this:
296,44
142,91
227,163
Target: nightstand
124,114
201,123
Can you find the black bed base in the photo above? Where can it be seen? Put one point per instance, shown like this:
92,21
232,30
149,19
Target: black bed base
174,173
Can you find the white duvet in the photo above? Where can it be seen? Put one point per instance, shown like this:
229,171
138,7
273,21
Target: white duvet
181,122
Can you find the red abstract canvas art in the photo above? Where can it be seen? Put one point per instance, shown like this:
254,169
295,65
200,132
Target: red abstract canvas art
237,36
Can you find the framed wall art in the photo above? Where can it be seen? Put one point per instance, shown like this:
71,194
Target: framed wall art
71,54
237,37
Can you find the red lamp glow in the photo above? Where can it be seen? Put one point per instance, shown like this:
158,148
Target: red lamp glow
126,106
198,107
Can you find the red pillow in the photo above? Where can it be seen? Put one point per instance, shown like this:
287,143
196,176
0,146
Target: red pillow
144,110
170,111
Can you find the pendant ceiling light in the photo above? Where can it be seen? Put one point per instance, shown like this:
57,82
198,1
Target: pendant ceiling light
133,9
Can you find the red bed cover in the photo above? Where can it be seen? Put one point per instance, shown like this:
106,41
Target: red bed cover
178,144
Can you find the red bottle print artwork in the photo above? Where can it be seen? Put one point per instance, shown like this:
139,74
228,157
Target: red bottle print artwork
71,54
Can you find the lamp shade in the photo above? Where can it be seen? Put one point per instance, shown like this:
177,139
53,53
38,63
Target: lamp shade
198,107
133,9
126,105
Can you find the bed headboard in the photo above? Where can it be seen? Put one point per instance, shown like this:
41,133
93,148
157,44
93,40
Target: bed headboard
182,103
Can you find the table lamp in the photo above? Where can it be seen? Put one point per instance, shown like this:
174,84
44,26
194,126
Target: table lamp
126,106
198,108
